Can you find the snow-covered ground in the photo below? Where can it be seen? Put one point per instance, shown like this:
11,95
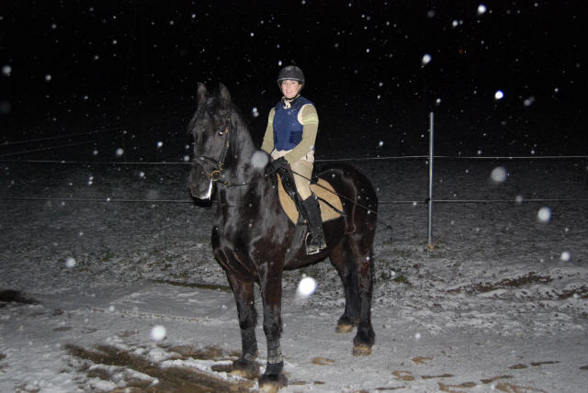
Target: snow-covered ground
95,256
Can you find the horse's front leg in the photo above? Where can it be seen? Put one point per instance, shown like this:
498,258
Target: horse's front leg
271,292
246,366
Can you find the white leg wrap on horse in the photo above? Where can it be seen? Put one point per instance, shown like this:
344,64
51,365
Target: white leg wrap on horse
275,355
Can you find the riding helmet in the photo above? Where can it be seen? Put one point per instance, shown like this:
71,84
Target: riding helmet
291,72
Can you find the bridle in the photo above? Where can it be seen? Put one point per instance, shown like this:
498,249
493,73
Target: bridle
216,175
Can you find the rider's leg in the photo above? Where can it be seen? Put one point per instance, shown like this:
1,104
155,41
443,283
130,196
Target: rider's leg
302,170
315,241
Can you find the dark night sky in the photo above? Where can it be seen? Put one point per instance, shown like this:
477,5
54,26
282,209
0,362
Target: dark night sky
64,55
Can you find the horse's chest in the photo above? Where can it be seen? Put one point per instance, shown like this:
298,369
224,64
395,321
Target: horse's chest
253,228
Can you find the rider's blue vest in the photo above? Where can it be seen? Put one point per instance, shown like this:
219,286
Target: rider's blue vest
287,128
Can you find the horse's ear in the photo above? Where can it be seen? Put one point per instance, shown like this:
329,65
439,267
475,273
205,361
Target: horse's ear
202,93
224,95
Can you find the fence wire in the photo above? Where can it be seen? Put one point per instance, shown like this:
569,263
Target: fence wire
390,202
353,159
56,137
414,202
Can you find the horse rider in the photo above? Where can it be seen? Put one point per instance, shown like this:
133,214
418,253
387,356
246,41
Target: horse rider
289,138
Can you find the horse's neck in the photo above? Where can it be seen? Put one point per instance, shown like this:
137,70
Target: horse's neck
242,149
246,187
245,174
235,201
240,168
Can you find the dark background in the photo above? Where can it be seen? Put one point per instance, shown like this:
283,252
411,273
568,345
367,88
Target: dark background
75,65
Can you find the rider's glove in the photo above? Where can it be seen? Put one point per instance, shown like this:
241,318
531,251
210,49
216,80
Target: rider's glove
280,166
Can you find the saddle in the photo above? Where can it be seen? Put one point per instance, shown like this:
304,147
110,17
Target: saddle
329,202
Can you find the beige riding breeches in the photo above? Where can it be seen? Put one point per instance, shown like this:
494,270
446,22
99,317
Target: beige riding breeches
302,171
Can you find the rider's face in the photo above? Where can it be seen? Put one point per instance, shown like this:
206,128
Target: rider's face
290,88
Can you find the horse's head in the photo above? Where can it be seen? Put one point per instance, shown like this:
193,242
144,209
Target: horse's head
209,127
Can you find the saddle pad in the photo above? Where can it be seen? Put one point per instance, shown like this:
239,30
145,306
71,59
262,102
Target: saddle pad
323,190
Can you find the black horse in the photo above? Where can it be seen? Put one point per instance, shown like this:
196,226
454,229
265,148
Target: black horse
252,236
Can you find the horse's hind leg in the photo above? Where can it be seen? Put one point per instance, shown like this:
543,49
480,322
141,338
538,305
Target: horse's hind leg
355,267
245,366
341,258
364,280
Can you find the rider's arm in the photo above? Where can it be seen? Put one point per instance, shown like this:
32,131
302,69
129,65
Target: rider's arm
268,138
308,117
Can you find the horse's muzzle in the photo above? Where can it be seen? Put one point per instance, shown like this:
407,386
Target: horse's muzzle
199,183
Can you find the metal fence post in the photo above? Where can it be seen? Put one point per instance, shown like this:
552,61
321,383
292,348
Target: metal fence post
430,199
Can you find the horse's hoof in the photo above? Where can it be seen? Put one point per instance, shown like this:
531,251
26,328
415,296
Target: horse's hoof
362,350
344,328
272,383
248,370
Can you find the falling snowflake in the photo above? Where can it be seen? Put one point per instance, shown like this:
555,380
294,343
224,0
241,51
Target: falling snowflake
544,215
529,101
70,262
306,287
498,175
158,333
259,159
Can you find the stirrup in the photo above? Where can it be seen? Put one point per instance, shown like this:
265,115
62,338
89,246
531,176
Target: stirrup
312,249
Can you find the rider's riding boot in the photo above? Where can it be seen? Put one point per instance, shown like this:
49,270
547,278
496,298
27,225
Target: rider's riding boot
315,238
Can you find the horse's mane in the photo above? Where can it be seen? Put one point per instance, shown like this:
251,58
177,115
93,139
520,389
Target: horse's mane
237,119
240,134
